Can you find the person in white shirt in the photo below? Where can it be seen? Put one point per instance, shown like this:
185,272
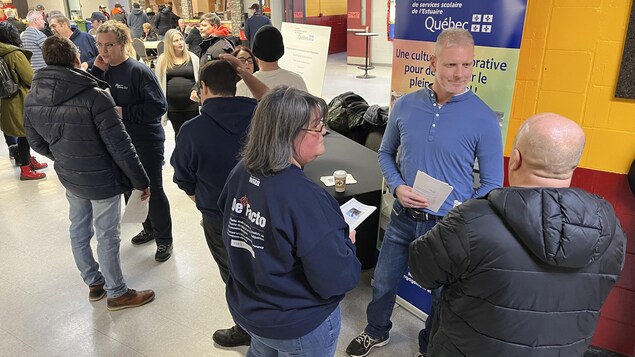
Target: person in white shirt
268,48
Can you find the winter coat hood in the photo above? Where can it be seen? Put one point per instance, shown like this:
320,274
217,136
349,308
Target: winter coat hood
222,31
232,114
562,227
5,49
56,86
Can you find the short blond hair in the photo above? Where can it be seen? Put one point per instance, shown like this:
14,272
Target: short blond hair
453,37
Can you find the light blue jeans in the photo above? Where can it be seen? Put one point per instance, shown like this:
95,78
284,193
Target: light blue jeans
105,216
321,342
391,266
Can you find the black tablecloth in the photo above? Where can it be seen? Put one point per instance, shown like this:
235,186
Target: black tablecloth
361,162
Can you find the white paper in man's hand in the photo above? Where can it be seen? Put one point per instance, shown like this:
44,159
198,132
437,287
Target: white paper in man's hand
432,189
136,210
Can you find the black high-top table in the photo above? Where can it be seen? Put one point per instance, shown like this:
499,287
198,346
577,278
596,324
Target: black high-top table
343,153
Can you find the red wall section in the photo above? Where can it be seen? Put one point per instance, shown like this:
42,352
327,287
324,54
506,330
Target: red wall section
338,30
616,328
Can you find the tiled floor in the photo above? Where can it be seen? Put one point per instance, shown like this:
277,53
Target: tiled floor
44,306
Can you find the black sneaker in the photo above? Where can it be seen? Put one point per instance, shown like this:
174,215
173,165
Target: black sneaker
13,152
232,337
164,252
142,238
362,345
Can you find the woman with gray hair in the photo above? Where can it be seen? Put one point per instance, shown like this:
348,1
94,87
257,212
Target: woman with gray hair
291,255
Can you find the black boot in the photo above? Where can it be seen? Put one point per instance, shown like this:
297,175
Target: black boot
232,337
14,154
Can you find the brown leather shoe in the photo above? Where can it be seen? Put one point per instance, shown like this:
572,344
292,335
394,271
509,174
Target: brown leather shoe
132,298
97,292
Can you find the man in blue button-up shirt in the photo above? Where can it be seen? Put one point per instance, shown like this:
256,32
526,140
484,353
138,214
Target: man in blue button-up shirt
439,130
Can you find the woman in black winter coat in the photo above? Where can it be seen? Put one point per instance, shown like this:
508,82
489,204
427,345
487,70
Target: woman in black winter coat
165,20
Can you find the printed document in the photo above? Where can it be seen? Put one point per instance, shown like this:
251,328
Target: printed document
136,210
434,190
356,212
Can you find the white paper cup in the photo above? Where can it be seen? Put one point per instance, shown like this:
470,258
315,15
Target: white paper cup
340,180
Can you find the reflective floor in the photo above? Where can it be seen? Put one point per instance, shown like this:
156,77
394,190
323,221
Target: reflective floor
44,304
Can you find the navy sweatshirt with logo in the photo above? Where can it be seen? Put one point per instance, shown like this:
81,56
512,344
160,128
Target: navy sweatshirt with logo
207,149
136,90
290,258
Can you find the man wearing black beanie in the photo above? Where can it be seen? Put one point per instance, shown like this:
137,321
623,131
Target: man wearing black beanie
268,47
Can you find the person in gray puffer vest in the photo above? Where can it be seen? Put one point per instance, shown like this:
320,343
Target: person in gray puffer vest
526,269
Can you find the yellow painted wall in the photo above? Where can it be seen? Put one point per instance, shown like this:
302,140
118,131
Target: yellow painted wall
569,63
325,7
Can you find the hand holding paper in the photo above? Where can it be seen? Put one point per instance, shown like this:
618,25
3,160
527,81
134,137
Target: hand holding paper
410,198
355,213
137,207
434,190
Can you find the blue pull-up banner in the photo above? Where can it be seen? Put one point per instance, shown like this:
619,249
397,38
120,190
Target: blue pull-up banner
493,23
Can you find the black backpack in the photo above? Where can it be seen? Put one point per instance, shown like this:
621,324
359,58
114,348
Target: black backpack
8,87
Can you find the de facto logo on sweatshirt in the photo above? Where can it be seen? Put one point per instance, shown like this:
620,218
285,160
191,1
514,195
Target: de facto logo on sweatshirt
243,207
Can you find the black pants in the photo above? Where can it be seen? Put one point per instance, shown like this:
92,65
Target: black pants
159,221
213,229
179,118
24,152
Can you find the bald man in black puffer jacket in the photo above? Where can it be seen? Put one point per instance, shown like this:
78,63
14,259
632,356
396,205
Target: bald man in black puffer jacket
526,269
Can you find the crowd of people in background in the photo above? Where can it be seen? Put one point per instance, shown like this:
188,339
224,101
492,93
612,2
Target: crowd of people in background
245,128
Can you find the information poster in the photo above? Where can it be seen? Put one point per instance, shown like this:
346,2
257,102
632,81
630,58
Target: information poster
496,26
306,50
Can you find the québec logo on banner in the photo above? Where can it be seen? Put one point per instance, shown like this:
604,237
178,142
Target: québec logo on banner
493,23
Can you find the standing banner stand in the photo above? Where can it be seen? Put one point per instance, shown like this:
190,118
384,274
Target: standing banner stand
497,27
306,48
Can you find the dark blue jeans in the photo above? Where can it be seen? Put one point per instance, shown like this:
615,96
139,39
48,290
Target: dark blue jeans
425,335
391,266
159,221
10,140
